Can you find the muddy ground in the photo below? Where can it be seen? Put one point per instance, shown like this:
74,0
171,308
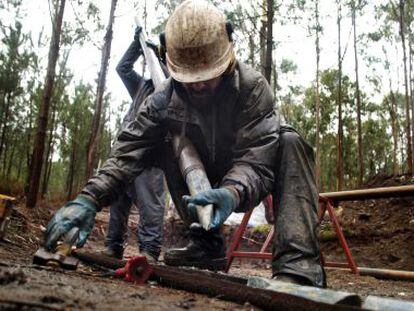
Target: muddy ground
380,234
24,286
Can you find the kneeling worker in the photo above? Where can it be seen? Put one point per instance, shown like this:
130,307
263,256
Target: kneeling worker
226,109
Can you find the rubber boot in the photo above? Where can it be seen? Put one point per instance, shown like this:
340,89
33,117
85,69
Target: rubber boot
205,251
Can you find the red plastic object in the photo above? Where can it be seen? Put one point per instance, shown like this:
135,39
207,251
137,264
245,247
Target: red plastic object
136,270
325,204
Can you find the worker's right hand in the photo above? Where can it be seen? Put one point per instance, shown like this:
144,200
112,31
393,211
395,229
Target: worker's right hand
79,213
225,201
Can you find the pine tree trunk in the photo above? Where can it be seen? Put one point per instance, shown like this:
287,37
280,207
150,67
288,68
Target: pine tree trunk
262,38
394,128
48,173
269,41
19,167
28,164
2,103
106,51
48,164
407,96
5,121
49,147
39,144
340,164
274,73
252,48
410,87
358,101
71,171
317,96
5,153
101,133
10,164
28,144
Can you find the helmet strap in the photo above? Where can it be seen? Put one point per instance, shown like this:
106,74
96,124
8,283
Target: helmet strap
230,30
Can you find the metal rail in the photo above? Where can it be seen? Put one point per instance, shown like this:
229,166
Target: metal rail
386,274
330,199
230,288
366,194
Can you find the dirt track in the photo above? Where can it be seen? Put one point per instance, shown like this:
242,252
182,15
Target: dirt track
380,234
86,289
24,285
28,287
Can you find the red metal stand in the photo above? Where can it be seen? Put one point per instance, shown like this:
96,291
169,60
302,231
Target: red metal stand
233,253
325,204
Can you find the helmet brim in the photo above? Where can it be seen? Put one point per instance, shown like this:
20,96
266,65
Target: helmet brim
200,73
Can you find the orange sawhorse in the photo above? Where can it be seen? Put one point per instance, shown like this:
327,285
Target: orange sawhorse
324,205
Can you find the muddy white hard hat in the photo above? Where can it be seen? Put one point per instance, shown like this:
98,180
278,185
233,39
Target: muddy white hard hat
198,45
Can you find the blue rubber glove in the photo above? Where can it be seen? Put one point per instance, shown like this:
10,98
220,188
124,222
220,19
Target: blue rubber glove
225,200
79,213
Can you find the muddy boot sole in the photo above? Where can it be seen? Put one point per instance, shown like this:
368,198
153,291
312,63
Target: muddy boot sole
218,264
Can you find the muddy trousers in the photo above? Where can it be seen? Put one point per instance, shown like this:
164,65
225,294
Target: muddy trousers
147,193
296,246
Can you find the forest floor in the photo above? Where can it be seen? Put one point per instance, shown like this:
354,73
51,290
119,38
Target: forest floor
380,234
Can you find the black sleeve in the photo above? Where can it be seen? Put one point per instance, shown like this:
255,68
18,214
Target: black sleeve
143,89
255,149
133,145
125,68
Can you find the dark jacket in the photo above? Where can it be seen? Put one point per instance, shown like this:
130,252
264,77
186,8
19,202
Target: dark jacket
236,137
138,87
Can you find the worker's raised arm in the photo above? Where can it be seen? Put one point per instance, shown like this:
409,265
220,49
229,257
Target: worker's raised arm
125,67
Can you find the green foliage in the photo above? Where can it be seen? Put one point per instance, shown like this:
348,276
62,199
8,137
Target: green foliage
288,66
16,60
375,130
22,61
262,229
21,91
375,36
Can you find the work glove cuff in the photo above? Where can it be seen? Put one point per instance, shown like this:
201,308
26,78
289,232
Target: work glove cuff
235,196
87,201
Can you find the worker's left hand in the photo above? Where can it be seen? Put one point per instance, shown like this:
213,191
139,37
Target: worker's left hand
79,213
225,201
